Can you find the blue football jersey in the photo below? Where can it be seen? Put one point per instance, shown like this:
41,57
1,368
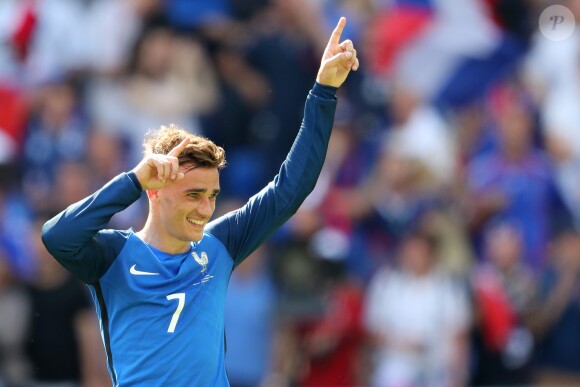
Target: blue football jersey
162,315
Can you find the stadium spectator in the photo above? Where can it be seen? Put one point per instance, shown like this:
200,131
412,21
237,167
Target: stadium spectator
57,132
62,339
515,181
389,203
249,320
168,79
418,320
503,291
331,345
320,340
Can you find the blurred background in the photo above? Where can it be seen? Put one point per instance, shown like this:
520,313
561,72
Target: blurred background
441,246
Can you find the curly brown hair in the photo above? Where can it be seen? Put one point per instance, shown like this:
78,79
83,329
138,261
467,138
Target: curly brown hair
200,151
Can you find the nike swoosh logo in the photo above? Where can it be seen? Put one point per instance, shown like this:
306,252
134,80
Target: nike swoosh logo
134,271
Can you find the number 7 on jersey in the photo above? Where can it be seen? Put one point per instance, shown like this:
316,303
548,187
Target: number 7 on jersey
180,304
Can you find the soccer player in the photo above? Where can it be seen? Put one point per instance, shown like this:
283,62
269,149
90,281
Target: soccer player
160,292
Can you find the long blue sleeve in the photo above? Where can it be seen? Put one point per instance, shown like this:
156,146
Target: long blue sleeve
243,230
74,236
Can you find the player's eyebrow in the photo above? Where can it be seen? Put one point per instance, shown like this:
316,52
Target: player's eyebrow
201,190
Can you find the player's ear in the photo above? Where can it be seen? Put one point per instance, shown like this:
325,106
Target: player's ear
153,195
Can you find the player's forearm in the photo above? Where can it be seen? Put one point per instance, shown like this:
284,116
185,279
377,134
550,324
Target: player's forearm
301,169
67,233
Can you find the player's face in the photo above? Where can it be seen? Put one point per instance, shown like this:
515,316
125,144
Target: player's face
186,206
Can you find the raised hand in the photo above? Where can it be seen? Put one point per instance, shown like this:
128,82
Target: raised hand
158,171
338,59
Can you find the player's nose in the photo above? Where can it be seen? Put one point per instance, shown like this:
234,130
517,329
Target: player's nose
205,208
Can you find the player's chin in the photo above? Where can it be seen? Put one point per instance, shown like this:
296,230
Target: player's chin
195,231
196,236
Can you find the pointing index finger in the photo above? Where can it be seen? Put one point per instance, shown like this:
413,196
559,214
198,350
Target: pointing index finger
335,37
175,152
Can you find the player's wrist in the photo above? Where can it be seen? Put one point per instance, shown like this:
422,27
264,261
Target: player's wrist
135,179
324,91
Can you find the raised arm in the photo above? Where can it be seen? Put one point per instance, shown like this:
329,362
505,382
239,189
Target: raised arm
71,236
243,230
75,237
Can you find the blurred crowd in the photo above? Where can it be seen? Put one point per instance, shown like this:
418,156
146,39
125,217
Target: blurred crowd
440,247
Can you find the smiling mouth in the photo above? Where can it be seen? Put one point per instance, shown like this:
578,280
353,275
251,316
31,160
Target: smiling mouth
196,222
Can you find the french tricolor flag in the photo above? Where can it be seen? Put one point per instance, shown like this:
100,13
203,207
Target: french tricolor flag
448,51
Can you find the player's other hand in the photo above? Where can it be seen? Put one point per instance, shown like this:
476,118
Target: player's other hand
158,171
338,59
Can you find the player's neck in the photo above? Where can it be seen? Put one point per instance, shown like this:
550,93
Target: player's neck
161,241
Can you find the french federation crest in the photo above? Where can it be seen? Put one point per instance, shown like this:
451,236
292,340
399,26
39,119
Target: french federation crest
203,260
